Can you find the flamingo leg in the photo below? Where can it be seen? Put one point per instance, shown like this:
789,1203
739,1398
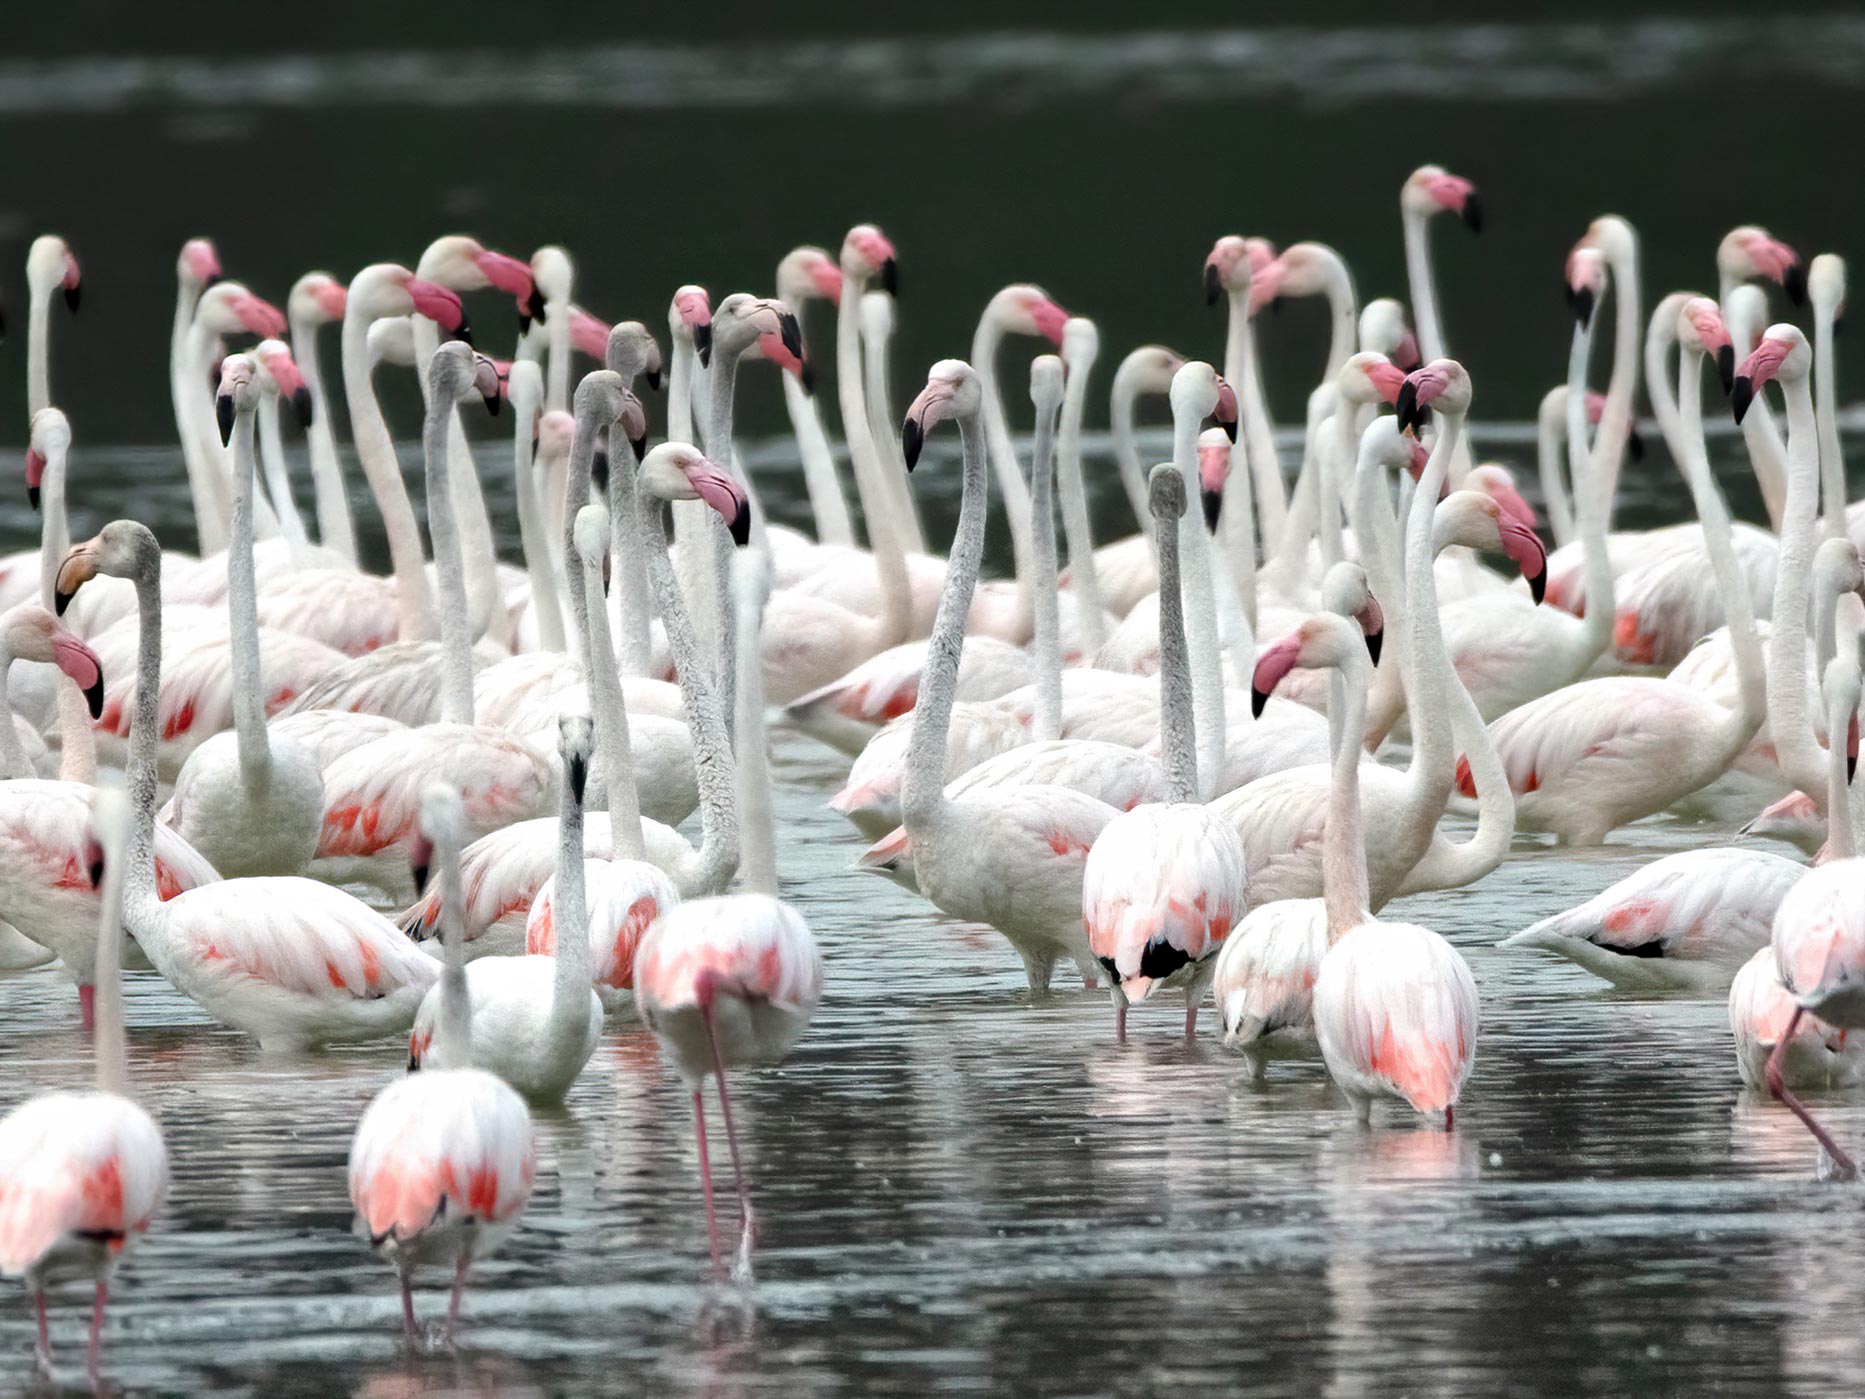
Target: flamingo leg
45,1332
87,1006
1120,1022
95,1353
407,1307
1843,1167
748,1227
1191,1018
705,1181
459,1292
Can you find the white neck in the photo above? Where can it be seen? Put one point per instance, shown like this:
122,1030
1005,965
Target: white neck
898,493
1207,663
335,528
610,710
478,557
1377,533
142,908
1423,285
557,364
249,720
38,370
635,626
1046,615
757,865
77,752
532,530
568,1021
54,531
1550,432
857,431
456,637
922,788
1616,416
375,449
1343,842
1126,449
1789,719
278,478
453,1036
1832,459
1177,730
1076,527
184,393
827,505
1004,466
202,350
1839,838
111,1053
1254,487
1593,502
12,756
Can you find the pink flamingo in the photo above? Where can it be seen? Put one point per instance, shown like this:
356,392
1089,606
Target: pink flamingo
443,1160
83,1174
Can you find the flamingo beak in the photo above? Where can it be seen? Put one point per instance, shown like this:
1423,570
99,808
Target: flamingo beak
1473,212
35,473
653,376
1793,282
1213,284
578,774
223,414
1275,662
1725,365
890,277
1634,444
420,860
912,438
599,468
702,342
1582,300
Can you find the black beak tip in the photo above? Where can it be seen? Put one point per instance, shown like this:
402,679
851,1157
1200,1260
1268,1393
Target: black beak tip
1741,396
579,778
1407,405
1794,282
790,331
1213,506
1374,641
32,497
419,872
599,470
1473,212
741,524
463,332
61,600
912,438
223,414
1635,445
212,279
807,378
640,445
1230,429
492,403
73,295
702,342
94,697
1852,767
1725,366
1582,302
1258,698
532,307
524,323
890,277
1213,286
301,402
653,376
1538,586
96,872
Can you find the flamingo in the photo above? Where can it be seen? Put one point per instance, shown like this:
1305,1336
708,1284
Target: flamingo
82,1175
1395,1006
289,960
1819,929
50,266
1011,857
318,299
1164,881
735,978
442,1162
196,269
1241,269
537,1016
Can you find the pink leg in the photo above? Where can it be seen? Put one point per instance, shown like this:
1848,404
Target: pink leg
1449,1113
1087,983
459,1293
705,1181
1120,1022
1843,1167
1191,1018
407,1307
45,1331
747,1227
87,1005
97,1331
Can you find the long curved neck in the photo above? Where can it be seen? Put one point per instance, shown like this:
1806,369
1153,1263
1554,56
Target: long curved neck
1840,844
453,1035
1255,499
557,364
249,720
609,709
202,348
1789,720
1120,411
1343,317
1832,460
569,1001
1343,843
634,625
278,477
827,505
724,383
38,351
1550,427
1003,455
757,864
680,367
478,556
857,432
109,1049
1616,417
922,788
141,905
1046,616
1593,506
712,744
877,331
1207,663
1084,581
1177,733
1448,865
1760,433
533,536
1377,533
55,531
1423,285
335,528
12,756
184,389
375,449
456,639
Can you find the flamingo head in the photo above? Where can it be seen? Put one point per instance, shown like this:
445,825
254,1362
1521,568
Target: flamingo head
227,308
1700,330
1305,269
1200,391
807,273
951,392
1149,369
867,253
1028,310
465,264
1165,488
30,633
555,431
51,264
742,320
1081,343
1347,592
238,393
1585,280
50,436
279,373
1369,377
1321,640
576,739
1383,327
630,349
1826,285
690,320
1443,384
1751,253
121,549
198,266
1477,520
1431,188
1495,481
1235,264
678,471
458,371
387,290
317,298
1213,471
439,831
1782,353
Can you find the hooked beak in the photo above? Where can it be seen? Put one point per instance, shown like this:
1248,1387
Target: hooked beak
599,468
1634,444
1275,662
653,376
1725,367
420,859
1793,282
301,402
1374,640
74,294
890,277
1473,212
1213,505
1213,284
702,342
578,775
790,331
223,414
912,438
1581,299
78,568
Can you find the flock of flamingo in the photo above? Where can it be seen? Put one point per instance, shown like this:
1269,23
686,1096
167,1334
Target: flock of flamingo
1160,764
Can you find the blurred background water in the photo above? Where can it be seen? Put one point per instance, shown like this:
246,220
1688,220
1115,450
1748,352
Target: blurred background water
962,1193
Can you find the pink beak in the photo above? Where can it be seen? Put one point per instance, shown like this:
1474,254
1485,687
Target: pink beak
1524,546
719,490
1225,413
510,275
78,661
35,473
1387,379
1277,660
440,306
589,334
1761,366
1049,318
333,298
259,316
828,279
